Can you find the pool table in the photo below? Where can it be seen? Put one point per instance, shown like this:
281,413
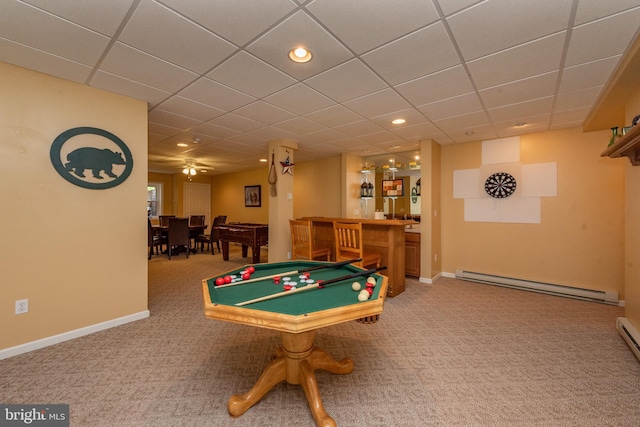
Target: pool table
297,316
248,235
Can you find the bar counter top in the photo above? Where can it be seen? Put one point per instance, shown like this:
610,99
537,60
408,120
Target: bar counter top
384,236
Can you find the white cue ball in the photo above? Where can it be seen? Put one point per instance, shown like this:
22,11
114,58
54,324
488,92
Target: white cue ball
363,296
356,286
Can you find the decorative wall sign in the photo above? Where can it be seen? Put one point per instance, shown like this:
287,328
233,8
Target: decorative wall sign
97,156
500,185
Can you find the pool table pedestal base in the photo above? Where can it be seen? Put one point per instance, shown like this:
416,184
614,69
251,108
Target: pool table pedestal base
295,363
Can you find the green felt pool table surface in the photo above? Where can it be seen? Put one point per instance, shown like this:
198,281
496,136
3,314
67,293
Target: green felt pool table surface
291,306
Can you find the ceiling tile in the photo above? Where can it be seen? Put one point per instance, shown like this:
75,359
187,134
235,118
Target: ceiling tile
587,75
406,59
299,99
578,99
420,131
493,25
366,24
528,59
434,87
363,127
208,92
570,116
333,116
463,121
589,10
123,86
32,27
238,21
152,29
456,106
519,112
379,103
149,70
189,108
37,60
299,30
250,75
299,126
347,81
602,38
451,6
264,112
521,90
171,119
215,131
235,122
103,17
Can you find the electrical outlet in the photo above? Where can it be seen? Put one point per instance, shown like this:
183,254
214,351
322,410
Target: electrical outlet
22,306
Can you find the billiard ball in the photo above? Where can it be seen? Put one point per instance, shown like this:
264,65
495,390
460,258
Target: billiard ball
251,269
227,279
363,296
246,276
219,281
356,286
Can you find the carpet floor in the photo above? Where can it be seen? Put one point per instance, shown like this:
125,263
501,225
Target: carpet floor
453,353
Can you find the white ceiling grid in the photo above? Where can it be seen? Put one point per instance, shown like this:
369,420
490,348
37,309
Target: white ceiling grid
218,71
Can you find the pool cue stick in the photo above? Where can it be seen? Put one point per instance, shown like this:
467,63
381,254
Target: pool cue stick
320,267
310,287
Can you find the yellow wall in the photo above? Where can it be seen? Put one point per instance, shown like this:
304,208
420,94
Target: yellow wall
632,219
228,196
317,188
580,241
77,255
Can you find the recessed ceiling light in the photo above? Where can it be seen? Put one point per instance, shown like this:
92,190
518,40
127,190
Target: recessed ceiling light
521,124
469,133
300,54
182,144
197,139
264,160
394,147
398,121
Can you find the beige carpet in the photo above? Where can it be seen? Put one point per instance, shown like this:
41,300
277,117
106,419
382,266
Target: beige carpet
449,354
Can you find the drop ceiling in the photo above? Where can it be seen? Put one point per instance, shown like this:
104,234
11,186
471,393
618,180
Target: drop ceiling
216,75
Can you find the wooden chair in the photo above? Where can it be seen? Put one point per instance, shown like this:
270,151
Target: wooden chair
164,220
348,241
196,220
178,235
154,239
302,242
214,237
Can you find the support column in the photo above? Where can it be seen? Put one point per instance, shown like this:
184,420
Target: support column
281,205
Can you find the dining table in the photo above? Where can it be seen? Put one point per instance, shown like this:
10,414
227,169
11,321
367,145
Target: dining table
194,232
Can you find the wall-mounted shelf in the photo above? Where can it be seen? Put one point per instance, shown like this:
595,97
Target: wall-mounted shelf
626,146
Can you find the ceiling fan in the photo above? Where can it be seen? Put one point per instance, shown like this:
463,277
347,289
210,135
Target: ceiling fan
168,164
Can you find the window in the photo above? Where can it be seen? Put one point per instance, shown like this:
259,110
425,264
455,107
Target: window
154,199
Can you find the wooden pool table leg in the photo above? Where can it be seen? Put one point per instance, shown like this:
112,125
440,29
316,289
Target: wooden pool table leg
275,372
295,363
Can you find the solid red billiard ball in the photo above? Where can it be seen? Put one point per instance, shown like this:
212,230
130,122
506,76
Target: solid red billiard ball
219,281
227,279
251,269
246,276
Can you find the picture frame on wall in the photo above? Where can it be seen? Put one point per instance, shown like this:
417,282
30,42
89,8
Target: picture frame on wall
252,196
392,188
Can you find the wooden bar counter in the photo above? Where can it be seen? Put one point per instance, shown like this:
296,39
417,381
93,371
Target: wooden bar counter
384,236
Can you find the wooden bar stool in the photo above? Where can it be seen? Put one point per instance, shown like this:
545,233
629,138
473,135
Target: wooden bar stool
348,240
302,242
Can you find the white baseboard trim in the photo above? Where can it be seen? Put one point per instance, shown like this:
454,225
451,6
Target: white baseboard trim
449,275
66,336
429,280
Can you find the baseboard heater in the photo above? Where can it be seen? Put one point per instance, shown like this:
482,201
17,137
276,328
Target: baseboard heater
605,297
629,334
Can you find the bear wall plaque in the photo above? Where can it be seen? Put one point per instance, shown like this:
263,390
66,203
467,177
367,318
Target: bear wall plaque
98,160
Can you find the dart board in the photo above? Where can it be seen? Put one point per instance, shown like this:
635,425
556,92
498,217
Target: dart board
500,185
